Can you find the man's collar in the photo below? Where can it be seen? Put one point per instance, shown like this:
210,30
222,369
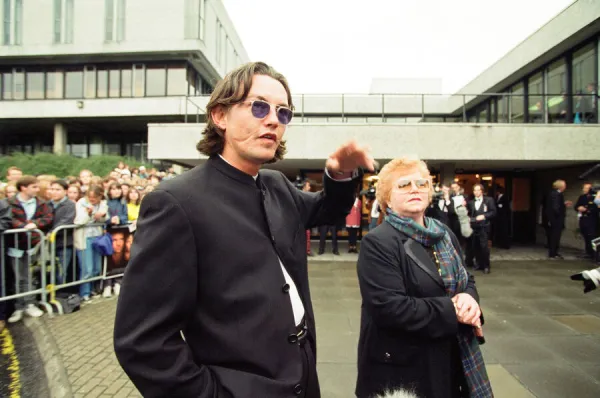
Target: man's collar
226,168
55,203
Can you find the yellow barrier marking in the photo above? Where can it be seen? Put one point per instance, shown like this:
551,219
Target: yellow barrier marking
8,349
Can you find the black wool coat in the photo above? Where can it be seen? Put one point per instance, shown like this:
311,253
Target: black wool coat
205,261
408,333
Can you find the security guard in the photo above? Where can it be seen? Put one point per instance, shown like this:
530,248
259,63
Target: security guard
587,211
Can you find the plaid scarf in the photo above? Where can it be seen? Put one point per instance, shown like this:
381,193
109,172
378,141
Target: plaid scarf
434,235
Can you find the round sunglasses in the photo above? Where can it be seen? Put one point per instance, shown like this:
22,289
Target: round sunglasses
260,109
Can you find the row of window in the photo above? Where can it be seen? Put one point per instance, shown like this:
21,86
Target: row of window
114,20
564,91
102,81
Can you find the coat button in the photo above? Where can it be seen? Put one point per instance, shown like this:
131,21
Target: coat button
292,339
273,238
285,288
297,389
388,356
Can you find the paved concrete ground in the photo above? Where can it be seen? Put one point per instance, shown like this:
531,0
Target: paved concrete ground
543,333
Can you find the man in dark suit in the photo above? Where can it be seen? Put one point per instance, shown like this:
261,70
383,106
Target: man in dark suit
555,214
587,211
481,211
220,258
502,221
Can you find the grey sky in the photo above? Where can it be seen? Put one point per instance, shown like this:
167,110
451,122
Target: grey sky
335,46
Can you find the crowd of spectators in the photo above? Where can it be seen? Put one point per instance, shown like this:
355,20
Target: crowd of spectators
47,202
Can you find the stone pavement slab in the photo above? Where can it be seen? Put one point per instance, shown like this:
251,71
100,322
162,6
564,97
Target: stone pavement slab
536,344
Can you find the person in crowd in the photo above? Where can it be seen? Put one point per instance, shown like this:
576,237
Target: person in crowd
142,172
353,224
223,248
91,210
308,188
420,317
323,231
457,199
439,208
587,212
117,215
5,224
13,174
44,193
502,221
85,178
134,201
74,192
10,190
28,212
374,214
556,212
64,214
125,188
482,211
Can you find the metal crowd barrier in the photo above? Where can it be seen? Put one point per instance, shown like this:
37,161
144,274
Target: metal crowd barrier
33,257
47,272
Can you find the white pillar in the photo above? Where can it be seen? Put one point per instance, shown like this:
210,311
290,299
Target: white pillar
447,173
60,139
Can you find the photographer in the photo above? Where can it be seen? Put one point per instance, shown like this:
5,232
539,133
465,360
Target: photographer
587,212
440,203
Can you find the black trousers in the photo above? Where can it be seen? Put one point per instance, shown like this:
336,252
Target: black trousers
477,247
588,230
323,229
352,236
310,380
554,233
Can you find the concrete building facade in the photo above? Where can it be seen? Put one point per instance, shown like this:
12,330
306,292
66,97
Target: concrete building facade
136,82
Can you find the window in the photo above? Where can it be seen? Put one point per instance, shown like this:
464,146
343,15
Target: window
224,39
502,104
584,85
114,20
114,83
176,80
7,85
194,19
35,85
54,84
126,81
102,76
19,88
138,80
536,98
12,22
517,104
74,84
556,92
90,82
156,77
63,21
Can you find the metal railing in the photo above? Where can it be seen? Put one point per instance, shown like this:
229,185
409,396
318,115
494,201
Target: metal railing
436,108
43,258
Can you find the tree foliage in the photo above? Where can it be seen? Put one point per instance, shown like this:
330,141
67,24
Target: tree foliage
63,165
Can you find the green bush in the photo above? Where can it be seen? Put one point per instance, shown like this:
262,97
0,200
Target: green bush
63,165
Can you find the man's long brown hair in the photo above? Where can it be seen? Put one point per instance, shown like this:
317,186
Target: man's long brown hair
233,89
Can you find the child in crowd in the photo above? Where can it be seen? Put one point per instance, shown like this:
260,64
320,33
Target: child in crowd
117,212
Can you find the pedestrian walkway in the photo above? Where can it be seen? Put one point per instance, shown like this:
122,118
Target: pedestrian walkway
543,333
515,253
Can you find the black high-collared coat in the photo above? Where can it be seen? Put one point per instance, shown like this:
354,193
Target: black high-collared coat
205,261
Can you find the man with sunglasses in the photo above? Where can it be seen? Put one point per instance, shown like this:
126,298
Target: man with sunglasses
223,247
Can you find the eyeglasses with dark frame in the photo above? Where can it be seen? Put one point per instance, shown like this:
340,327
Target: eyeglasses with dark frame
260,109
422,185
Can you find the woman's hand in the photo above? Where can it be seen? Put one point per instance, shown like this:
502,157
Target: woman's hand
467,309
